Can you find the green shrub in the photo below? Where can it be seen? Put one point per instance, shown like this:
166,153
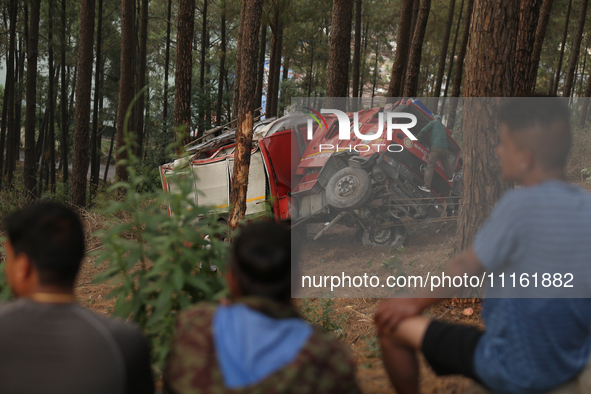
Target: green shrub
159,264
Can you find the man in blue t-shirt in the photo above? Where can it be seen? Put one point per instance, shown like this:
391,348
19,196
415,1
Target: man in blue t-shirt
530,345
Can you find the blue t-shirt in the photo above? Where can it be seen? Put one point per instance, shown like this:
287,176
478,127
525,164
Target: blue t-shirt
534,344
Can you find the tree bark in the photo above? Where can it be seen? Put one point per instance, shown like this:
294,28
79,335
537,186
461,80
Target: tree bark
275,53
251,20
357,53
460,65
184,63
218,118
142,71
204,45
261,69
83,87
488,76
538,43
443,56
402,49
585,110
94,141
31,99
528,19
414,61
125,83
452,59
238,66
564,34
51,103
274,96
574,54
9,88
166,64
64,100
340,49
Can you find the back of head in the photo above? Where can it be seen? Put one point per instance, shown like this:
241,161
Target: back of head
261,260
51,236
541,124
437,117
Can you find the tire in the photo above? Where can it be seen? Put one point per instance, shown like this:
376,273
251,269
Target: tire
392,237
349,188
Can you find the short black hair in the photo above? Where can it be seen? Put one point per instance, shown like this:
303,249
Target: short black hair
52,237
261,260
542,124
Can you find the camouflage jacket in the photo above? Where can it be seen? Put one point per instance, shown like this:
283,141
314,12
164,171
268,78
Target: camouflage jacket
322,366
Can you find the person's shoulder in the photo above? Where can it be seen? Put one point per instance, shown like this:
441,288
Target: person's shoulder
8,307
121,332
197,313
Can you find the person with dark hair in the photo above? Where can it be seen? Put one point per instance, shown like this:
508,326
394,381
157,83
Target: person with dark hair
530,345
50,344
437,134
257,343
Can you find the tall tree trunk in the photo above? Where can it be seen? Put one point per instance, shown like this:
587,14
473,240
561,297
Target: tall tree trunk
125,83
94,140
142,71
574,54
538,43
83,87
529,13
238,66
416,50
261,69
443,56
109,158
184,63
310,75
357,53
166,64
585,110
364,71
402,49
202,70
564,34
283,92
273,62
452,59
218,117
460,65
64,100
251,20
31,99
9,87
277,70
340,49
51,102
488,76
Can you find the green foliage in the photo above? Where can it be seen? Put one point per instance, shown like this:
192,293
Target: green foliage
322,314
158,263
5,293
586,172
372,347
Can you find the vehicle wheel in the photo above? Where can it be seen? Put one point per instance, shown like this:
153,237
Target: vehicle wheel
393,236
348,188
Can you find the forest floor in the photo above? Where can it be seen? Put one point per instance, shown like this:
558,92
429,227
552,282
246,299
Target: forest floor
351,319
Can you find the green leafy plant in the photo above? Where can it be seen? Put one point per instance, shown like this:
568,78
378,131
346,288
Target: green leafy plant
586,172
159,263
323,314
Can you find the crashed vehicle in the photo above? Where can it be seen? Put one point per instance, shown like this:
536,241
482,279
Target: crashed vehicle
308,174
